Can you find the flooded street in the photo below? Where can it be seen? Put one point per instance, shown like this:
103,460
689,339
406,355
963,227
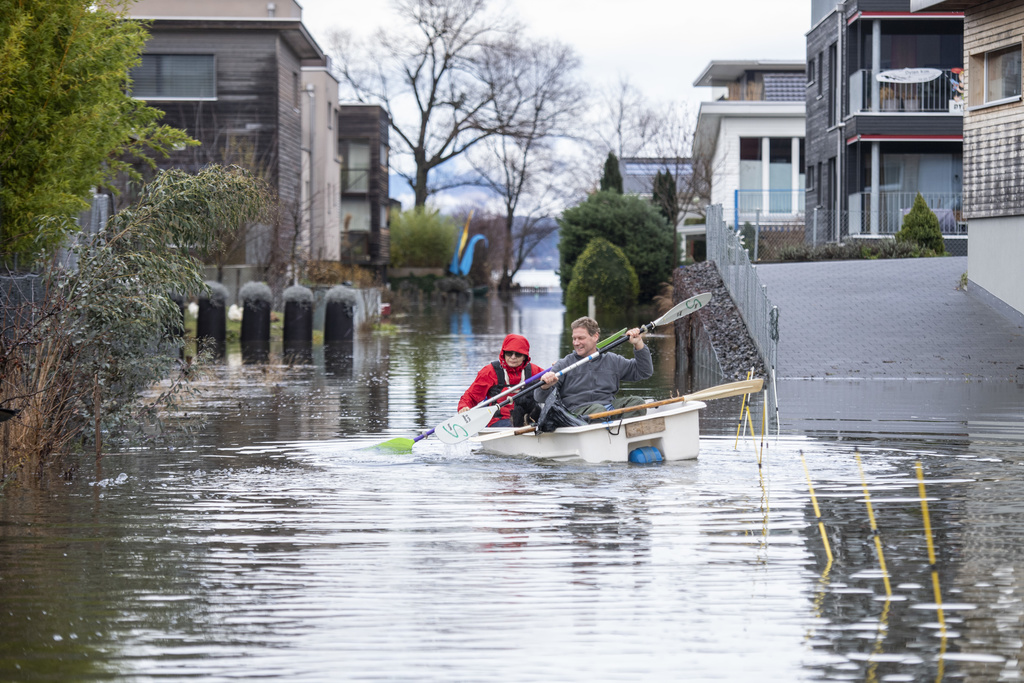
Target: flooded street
280,545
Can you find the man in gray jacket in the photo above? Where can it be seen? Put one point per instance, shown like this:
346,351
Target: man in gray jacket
591,387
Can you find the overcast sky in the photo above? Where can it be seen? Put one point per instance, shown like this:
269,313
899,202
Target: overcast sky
661,46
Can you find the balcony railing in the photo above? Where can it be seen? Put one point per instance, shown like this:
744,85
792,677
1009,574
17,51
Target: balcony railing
887,217
944,93
769,205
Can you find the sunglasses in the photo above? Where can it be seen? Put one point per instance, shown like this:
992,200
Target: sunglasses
515,353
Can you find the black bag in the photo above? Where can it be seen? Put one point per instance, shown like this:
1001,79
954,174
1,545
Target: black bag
554,414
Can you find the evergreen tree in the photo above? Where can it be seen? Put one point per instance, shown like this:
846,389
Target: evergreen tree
66,120
611,180
921,227
665,198
628,222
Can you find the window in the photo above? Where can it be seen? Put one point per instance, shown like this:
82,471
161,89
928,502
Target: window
750,164
174,77
1002,74
355,165
819,60
833,80
810,71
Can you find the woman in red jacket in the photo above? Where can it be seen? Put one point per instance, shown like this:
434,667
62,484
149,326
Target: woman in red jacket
512,367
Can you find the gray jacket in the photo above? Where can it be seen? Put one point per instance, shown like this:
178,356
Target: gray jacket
598,380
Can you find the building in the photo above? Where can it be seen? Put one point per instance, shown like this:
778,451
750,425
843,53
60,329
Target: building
364,147
750,140
638,174
247,79
884,117
993,140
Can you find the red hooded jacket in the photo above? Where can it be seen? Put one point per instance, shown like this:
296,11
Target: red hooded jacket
486,379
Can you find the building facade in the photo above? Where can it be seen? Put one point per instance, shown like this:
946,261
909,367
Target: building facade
247,80
993,144
884,98
749,140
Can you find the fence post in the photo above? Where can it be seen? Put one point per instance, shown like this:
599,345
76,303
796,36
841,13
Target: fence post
814,237
757,231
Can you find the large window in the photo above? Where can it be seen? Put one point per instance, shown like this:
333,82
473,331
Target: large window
174,77
995,76
355,165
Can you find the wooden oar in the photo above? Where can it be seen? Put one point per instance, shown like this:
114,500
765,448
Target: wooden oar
750,386
720,391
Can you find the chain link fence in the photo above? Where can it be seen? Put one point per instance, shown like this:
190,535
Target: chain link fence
761,317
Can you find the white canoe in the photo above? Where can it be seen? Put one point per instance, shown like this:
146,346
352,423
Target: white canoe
673,429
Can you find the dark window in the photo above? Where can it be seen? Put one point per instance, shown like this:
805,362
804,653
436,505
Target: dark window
186,77
833,83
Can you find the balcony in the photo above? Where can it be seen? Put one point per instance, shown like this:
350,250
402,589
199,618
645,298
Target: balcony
887,217
769,206
907,91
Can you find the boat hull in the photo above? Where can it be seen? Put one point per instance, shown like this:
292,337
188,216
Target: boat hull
673,429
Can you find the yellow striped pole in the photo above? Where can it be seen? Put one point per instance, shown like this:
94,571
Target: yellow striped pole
817,510
743,405
931,545
874,527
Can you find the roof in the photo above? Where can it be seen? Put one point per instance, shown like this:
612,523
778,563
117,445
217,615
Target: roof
638,172
724,72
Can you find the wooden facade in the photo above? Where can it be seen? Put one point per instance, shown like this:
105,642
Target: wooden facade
368,123
993,136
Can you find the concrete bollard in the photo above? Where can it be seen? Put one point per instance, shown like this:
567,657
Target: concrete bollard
255,335
339,312
211,324
298,323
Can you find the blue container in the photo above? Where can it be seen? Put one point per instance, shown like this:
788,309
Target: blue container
645,455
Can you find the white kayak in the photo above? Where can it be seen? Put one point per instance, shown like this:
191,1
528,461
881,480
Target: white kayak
673,430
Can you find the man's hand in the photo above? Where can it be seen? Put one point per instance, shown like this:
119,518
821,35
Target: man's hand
462,410
549,379
636,338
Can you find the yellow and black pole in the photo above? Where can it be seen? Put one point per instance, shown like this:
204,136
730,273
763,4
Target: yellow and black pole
874,527
932,564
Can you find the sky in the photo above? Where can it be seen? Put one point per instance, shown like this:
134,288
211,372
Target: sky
659,46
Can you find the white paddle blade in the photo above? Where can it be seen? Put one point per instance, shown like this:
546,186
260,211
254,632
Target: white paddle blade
464,425
684,308
750,386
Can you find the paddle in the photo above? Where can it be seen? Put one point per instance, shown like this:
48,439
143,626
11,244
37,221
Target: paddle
460,427
721,391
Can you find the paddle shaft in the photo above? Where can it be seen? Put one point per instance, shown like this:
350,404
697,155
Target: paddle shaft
721,391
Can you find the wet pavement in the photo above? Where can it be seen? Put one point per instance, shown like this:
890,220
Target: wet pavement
865,345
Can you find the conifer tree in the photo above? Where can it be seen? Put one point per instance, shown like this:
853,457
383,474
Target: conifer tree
612,178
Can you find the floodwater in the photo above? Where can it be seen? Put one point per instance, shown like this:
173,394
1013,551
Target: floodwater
278,546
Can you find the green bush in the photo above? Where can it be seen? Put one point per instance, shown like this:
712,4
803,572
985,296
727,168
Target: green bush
604,272
921,227
630,223
421,238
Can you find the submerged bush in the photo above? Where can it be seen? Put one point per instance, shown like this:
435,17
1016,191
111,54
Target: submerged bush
421,238
604,272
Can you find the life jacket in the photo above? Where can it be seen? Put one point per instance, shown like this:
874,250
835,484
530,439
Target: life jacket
502,383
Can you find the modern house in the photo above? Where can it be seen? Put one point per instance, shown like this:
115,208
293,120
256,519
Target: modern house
247,79
884,117
364,148
638,174
993,139
749,140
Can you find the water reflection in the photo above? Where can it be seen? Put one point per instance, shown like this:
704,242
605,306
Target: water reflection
278,545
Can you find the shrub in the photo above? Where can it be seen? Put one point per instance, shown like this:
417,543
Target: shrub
630,223
921,227
421,238
604,272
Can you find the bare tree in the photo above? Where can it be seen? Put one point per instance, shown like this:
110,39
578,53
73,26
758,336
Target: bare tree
430,80
520,166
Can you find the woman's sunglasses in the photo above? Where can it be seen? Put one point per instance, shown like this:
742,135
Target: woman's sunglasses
515,353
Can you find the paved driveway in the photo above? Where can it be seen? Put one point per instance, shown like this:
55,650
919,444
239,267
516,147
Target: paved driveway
888,319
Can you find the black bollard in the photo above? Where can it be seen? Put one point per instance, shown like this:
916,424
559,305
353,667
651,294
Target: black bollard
211,323
339,312
298,324
255,335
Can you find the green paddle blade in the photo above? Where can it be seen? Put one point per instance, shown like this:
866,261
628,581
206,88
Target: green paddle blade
609,340
394,445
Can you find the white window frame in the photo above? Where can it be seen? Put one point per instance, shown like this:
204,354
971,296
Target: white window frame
982,61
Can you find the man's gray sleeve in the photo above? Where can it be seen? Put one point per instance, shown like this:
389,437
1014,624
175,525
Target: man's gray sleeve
642,368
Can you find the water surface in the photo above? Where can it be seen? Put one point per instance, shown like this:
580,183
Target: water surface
277,545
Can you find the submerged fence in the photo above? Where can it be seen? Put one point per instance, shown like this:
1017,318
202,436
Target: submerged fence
750,296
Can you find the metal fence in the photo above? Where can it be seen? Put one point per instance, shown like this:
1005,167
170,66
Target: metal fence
748,293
